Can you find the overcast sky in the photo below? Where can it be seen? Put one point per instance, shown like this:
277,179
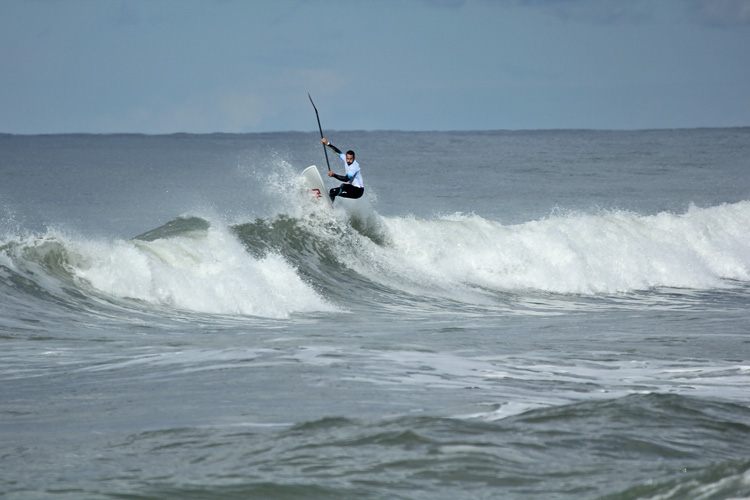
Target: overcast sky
163,66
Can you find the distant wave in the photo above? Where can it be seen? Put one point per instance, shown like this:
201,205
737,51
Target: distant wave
319,262
669,433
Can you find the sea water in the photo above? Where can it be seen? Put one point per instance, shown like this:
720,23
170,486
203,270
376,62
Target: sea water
511,314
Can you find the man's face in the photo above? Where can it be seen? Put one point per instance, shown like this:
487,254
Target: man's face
349,159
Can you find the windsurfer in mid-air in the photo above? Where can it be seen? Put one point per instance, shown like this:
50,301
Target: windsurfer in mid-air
352,186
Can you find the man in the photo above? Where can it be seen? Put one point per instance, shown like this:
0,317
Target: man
353,186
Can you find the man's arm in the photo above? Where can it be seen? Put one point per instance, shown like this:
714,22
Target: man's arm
326,143
342,178
337,150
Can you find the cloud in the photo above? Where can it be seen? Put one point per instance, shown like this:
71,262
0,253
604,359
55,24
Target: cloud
445,3
595,11
126,15
720,12
605,12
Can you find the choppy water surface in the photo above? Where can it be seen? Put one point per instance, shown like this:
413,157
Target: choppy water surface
553,314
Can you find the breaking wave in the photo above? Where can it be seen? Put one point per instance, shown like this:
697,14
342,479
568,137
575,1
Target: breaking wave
320,260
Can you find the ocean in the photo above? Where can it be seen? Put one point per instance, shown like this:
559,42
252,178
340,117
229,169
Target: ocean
558,314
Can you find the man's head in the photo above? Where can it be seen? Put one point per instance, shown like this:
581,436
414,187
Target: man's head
349,157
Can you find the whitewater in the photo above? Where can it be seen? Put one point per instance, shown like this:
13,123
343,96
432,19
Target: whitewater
212,268
547,314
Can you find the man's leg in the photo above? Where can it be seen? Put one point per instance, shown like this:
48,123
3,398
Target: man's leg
349,191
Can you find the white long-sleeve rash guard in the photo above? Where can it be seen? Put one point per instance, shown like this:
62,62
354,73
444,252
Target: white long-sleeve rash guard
353,173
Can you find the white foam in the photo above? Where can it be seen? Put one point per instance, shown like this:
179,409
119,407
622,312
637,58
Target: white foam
586,254
205,272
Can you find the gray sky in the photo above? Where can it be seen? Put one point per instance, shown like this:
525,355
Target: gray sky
162,66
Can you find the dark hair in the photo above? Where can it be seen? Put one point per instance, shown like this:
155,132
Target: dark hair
350,152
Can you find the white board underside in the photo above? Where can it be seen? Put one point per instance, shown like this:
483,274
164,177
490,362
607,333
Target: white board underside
314,183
